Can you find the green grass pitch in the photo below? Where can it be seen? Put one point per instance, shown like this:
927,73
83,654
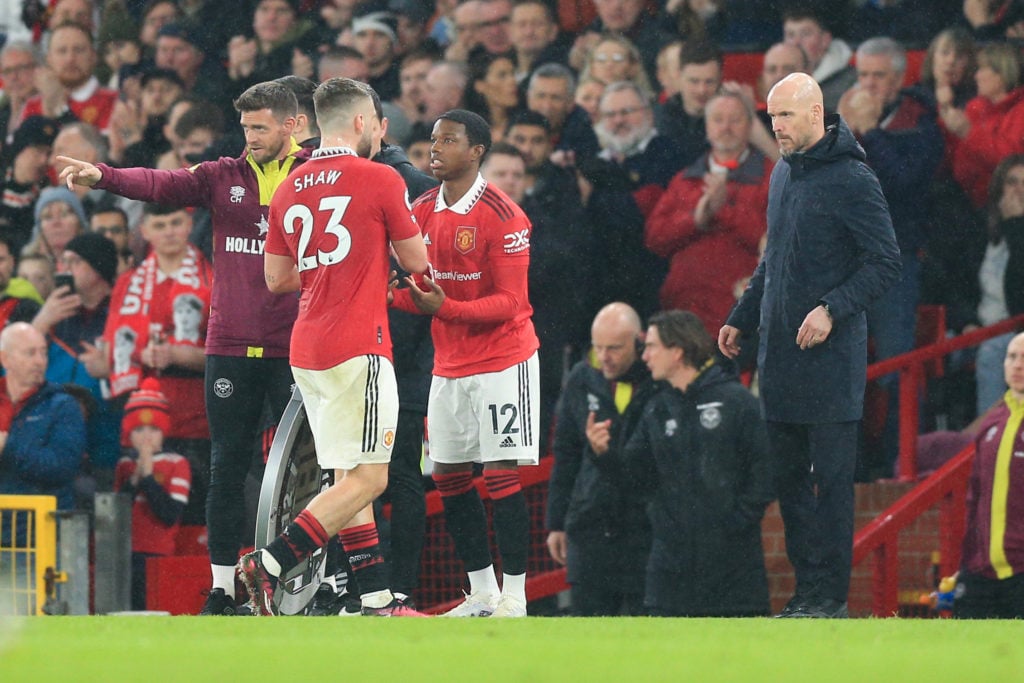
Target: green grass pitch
282,650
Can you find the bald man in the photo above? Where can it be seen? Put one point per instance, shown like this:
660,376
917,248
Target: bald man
596,521
42,428
831,253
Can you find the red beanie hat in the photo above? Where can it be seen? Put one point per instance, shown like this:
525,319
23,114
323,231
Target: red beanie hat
146,406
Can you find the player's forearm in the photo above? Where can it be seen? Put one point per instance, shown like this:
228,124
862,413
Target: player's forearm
497,307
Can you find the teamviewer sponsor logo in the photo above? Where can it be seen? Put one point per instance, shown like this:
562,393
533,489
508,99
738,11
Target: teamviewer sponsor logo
457,277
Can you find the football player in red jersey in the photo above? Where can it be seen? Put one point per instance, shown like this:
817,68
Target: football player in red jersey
331,224
484,395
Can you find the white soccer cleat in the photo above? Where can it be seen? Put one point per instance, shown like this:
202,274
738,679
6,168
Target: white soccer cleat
475,605
510,606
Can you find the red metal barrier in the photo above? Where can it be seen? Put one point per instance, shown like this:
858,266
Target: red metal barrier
947,486
912,371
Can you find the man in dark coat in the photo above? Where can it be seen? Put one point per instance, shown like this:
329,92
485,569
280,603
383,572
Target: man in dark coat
701,451
831,253
597,525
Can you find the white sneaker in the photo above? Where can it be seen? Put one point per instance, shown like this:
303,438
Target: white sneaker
475,605
510,606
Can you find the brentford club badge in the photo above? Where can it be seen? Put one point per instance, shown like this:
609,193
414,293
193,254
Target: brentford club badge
465,239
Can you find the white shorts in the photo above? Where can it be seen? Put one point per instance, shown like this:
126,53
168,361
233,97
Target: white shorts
352,410
486,417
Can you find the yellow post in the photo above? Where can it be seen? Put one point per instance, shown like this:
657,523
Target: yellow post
28,547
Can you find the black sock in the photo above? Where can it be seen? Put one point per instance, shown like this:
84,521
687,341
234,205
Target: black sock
465,518
512,531
299,540
362,546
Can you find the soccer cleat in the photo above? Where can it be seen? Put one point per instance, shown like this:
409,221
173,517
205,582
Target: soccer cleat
259,583
797,603
325,602
510,606
218,604
395,608
351,606
475,605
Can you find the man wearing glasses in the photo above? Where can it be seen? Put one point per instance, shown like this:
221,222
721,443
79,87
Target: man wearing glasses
620,187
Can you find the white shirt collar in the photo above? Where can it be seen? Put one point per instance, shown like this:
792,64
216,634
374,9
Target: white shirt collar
466,202
333,152
86,90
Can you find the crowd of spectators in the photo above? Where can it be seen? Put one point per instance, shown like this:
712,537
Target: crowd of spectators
643,170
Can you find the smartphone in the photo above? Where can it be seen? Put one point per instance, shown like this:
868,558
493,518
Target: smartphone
64,279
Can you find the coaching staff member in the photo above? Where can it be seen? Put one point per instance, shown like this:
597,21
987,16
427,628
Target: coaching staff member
831,252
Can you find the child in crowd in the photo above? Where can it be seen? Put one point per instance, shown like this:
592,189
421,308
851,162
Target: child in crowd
159,481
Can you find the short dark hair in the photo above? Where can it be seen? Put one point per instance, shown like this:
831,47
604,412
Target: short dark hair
699,52
506,148
303,89
202,114
684,330
477,130
276,97
336,94
154,209
529,117
110,209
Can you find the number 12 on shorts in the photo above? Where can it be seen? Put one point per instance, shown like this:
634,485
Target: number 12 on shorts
508,413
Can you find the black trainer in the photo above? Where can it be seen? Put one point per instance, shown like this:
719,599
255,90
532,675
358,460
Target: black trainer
325,602
218,604
795,604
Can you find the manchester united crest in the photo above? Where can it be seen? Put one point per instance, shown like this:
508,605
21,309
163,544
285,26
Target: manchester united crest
465,239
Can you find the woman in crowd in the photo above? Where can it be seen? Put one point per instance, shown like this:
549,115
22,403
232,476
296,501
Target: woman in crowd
59,218
615,58
1001,276
492,91
994,126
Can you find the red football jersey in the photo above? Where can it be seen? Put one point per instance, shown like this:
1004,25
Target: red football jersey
149,534
479,251
336,216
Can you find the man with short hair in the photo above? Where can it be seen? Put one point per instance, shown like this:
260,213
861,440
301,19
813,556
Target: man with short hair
597,525
42,428
831,253
709,222
681,118
552,202
780,60
180,48
534,35
18,63
412,78
485,360
157,328
445,89
828,57
341,363
480,22
246,345
701,452
989,582
899,131
619,189
550,93
68,89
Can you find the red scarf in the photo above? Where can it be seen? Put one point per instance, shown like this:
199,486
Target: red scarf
135,314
